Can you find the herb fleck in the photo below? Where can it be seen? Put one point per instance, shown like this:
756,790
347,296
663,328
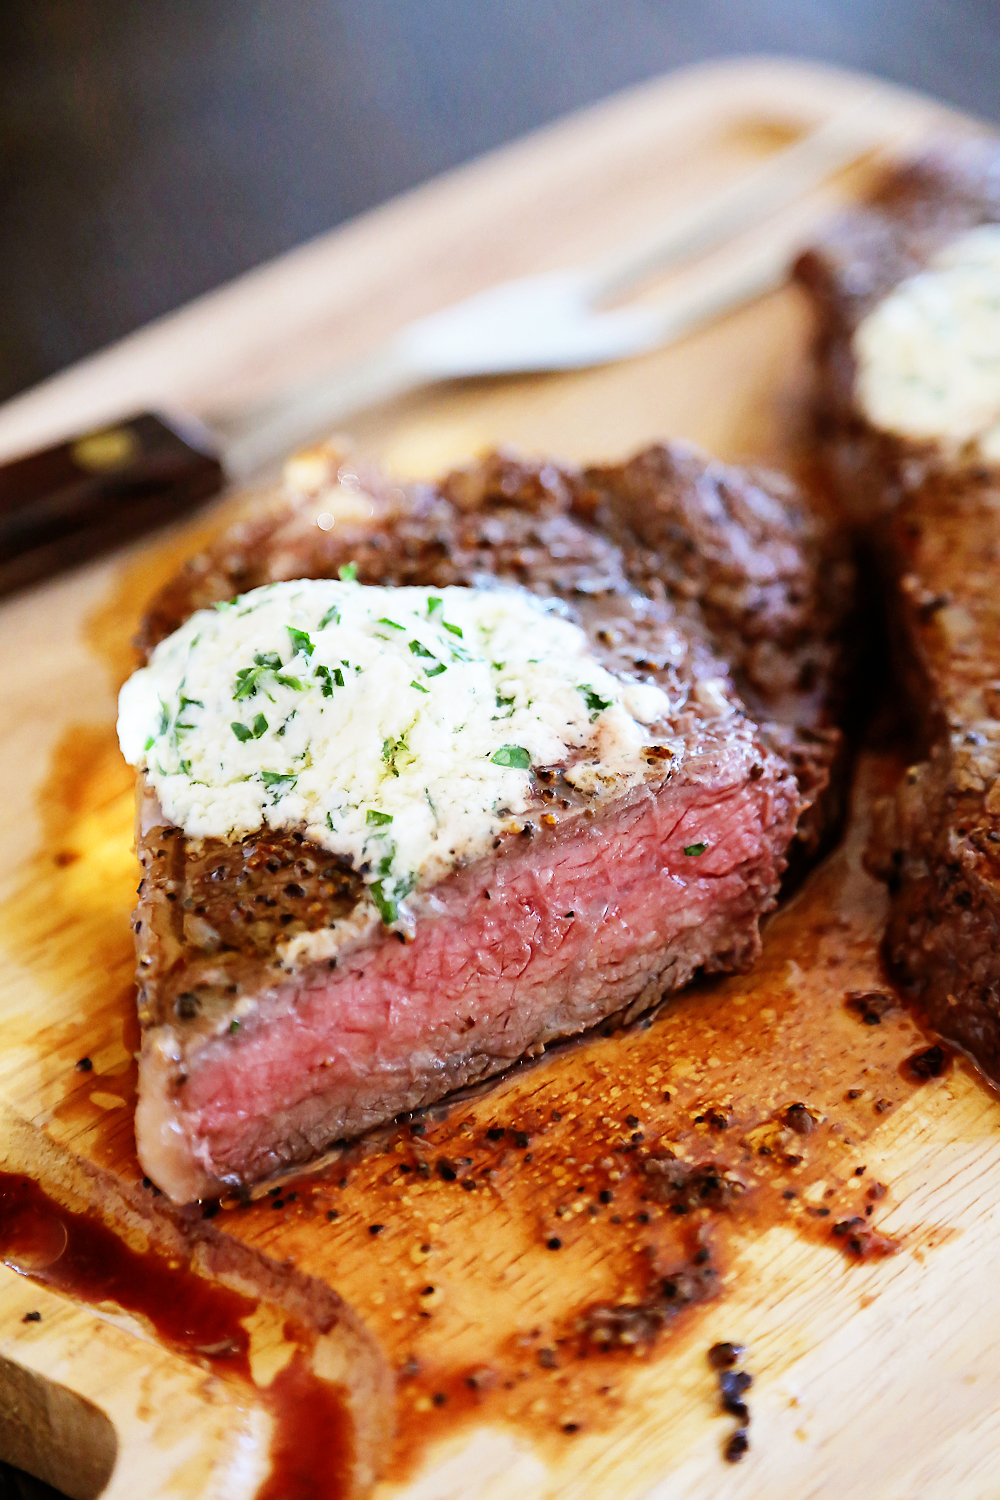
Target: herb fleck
279,779
377,818
512,755
300,640
595,703
388,909
348,572
390,749
695,848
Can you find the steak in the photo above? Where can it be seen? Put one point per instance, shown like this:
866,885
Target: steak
933,522
717,585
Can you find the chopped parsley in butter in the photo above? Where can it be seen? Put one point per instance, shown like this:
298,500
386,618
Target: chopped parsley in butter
395,726
928,355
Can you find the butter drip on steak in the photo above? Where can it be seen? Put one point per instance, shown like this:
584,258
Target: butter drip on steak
277,1020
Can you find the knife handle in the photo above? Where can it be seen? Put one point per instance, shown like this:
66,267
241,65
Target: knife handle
84,496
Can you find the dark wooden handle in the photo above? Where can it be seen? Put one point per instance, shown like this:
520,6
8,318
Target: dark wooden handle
65,504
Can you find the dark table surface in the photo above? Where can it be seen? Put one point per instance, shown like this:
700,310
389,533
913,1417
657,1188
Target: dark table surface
151,151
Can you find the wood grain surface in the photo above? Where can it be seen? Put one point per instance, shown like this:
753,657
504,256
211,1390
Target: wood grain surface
873,1378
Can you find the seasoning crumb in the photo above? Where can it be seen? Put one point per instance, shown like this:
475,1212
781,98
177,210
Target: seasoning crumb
799,1117
571,1427
439,1398
734,1384
84,1065
736,1448
605,1195
332,1213
724,1355
876,1191
553,1243
547,1359
854,1093
932,1062
870,1006
32,1317
881,1105
374,1229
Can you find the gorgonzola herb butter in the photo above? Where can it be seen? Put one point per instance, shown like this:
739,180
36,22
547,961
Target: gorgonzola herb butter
396,726
928,356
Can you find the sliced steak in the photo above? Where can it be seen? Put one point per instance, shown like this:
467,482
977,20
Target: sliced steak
258,1053
933,523
861,257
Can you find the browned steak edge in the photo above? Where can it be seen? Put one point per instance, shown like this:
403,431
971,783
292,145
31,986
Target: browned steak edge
933,529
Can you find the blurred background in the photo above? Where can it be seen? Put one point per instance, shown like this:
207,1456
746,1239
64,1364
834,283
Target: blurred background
152,149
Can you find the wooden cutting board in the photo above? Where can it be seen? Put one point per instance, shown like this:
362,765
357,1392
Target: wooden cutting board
874,1377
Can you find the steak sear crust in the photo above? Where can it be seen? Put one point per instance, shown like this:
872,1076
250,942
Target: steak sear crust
933,523
262,1043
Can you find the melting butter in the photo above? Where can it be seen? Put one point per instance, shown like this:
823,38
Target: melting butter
928,356
395,726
